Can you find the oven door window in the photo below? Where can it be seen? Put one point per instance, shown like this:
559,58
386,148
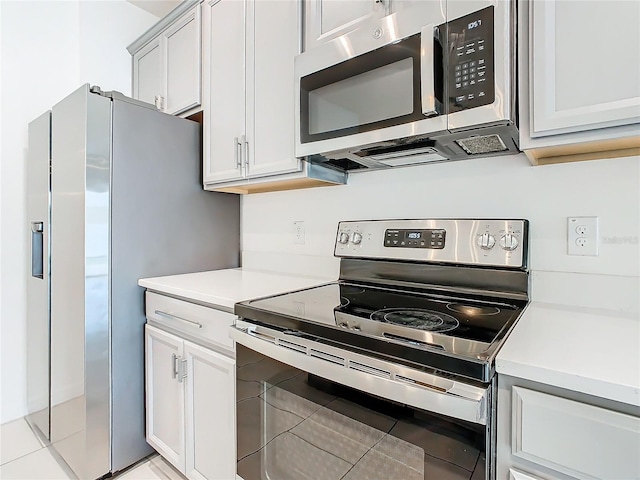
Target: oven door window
293,426
374,90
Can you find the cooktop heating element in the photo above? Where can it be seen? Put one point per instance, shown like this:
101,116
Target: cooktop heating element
417,318
436,294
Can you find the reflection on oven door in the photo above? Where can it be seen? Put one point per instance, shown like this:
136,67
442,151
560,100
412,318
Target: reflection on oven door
296,426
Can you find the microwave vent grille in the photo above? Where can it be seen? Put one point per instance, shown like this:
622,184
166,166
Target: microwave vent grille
482,144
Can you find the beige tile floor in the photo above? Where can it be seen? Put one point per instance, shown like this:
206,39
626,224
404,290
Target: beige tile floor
23,457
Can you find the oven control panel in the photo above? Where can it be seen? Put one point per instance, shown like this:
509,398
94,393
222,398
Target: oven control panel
414,238
482,242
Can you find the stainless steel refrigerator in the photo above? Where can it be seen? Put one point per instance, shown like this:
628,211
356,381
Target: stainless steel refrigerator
114,194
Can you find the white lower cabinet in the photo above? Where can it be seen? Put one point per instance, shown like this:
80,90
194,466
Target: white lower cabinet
546,433
165,395
516,475
190,405
210,410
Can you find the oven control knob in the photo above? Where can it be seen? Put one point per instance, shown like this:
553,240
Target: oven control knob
486,241
509,242
356,238
343,237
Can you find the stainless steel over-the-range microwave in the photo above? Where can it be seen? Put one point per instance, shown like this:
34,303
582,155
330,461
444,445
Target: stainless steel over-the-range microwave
433,80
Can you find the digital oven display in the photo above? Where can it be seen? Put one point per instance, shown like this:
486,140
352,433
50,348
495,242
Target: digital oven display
428,238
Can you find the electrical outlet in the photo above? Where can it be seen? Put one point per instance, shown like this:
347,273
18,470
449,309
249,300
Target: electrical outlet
298,233
582,236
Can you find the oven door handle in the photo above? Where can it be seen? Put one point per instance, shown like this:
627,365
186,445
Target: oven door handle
377,377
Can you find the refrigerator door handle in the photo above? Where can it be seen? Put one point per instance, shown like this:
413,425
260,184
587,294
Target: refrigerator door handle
37,249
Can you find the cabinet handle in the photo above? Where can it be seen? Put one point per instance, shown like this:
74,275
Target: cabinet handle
182,370
159,102
175,317
174,369
245,144
386,5
237,153
427,82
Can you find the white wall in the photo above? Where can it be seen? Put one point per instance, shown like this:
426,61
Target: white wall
48,49
507,187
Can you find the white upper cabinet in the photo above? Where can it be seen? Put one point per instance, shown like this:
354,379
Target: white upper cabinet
182,42
325,20
224,90
167,61
580,81
249,101
576,87
270,99
147,68
249,98
328,19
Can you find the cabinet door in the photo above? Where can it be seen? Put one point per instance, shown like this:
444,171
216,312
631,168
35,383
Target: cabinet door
165,395
211,421
573,438
271,87
147,72
579,80
182,49
516,475
325,20
224,89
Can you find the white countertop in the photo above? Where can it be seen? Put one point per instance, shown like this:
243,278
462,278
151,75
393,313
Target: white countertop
596,352
592,351
223,288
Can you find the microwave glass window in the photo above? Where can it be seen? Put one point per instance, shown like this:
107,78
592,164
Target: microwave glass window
377,89
373,96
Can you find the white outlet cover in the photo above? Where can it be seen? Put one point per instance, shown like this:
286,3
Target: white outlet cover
582,236
298,233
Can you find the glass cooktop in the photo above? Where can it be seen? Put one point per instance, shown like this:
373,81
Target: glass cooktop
453,324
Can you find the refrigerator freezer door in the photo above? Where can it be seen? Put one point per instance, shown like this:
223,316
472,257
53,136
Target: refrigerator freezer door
37,226
80,159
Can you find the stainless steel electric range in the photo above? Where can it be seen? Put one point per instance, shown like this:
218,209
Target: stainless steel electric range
387,373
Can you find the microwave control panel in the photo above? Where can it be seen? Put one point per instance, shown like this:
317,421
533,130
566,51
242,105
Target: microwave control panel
471,78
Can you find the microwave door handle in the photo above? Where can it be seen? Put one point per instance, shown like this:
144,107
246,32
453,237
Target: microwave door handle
427,82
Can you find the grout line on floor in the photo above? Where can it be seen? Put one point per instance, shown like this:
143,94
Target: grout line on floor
42,440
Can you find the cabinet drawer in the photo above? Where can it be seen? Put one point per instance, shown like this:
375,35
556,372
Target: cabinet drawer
516,475
196,321
574,438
